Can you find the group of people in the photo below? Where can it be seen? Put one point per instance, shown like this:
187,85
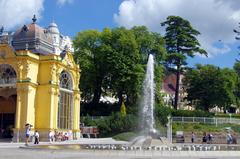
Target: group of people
58,136
207,138
53,135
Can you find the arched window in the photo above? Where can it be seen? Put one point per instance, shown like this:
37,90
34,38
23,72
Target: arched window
65,80
8,75
65,106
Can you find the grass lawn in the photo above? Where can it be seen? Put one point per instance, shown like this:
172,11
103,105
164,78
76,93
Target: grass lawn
126,136
189,127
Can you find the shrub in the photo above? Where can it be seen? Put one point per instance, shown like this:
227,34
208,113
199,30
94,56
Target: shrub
113,124
191,113
162,113
227,115
123,110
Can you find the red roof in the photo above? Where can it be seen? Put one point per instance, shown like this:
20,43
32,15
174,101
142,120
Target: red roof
169,84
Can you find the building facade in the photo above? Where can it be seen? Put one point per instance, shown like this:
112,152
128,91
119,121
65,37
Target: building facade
38,82
168,91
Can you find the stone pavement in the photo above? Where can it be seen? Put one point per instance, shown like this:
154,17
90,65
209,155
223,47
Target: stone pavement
12,151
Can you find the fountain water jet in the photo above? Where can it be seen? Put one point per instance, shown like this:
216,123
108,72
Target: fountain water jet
151,136
147,104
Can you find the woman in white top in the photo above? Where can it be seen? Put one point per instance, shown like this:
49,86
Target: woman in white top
27,133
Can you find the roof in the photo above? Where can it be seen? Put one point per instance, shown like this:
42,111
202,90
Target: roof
169,83
33,37
53,28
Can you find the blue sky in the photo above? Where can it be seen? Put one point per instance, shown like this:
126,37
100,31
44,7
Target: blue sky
215,19
80,15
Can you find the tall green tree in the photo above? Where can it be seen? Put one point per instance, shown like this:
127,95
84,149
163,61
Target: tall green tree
237,88
236,67
209,86
113,62
91,54
181,42
126,72
151,43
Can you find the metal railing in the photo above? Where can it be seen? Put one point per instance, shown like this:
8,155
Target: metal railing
206,120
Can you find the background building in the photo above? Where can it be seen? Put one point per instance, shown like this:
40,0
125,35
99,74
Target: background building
38,82
168,91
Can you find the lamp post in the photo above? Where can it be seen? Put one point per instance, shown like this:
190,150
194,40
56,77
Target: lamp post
169,127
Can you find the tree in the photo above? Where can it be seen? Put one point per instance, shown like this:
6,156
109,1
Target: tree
126,73
129,58
236,67
91,55
237,88
209,86
229,79
181,42
151,42
112,62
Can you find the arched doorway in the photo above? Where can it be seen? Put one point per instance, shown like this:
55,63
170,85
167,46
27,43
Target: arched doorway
65,106
8,97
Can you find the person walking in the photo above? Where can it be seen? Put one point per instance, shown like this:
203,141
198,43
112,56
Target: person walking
229,138
36,136
51,136
27,133
210,138
193,137
204,138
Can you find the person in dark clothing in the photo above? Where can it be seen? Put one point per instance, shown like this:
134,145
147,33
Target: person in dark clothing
204,139
36,136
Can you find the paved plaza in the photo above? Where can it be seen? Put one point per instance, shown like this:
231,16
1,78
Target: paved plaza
19,151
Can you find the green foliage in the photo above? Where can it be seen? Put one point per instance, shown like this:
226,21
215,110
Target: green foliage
113,124
126,73
149,42
113,61
181,41
91,57
191,113
236,67
123,110
158,72
237,88
236,128
227,115
200,128
162,113
210,86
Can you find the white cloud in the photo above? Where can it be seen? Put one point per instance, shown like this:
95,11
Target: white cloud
62,2
215,19
16,12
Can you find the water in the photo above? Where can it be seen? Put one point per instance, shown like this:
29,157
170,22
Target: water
147,103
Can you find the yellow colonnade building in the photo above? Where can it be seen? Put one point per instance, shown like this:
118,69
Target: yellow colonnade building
39,82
